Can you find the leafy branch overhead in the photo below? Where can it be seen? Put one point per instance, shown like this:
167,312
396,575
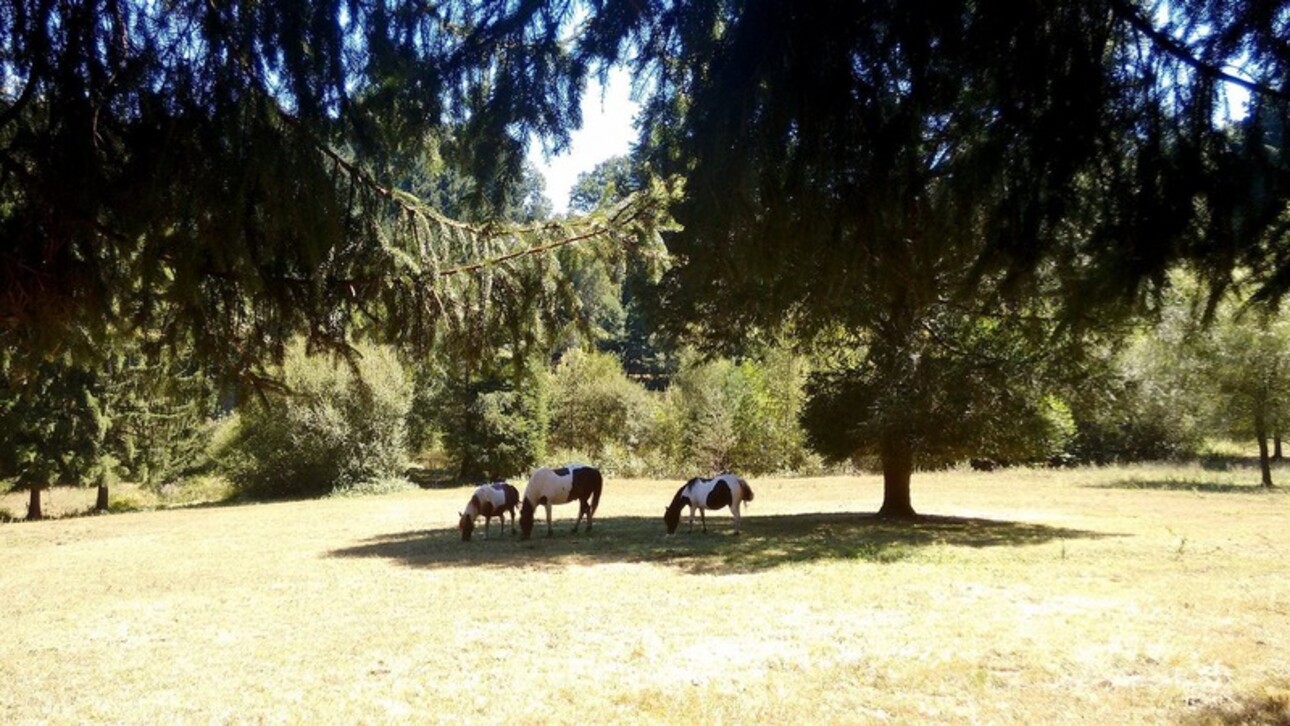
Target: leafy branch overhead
224,176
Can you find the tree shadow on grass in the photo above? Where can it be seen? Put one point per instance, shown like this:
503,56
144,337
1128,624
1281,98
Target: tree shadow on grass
767,542
1183,485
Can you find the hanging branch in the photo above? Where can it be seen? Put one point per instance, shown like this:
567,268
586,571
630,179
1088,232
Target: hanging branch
1178,50
636,204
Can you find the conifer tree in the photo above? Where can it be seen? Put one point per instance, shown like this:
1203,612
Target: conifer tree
923,186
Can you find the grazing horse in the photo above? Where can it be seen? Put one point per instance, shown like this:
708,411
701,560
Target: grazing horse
724,490
560,486
490,500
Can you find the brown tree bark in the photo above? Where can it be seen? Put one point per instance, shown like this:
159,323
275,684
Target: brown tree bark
897,467
101,504
1265,461
34,510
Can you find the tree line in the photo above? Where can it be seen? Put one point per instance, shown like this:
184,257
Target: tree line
1160,391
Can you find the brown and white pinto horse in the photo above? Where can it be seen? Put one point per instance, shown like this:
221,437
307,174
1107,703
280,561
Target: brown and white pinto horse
560,486
723,490
490,500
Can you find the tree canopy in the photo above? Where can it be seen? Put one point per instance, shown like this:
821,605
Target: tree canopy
225,175
933,184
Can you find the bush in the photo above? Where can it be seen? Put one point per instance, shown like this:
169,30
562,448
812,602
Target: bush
596,408
333,430
719,415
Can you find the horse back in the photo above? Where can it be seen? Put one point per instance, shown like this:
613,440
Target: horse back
558,486
719,494
586,482
491,500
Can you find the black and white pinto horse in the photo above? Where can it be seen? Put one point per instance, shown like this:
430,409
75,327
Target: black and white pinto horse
560,486
490,500
723,490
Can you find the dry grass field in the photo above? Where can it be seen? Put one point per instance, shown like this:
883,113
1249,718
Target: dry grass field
1118,595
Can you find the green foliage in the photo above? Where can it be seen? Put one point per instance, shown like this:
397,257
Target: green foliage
595,407
720,414
333,429
241,173
1246,361
1143,404
133,416
959,385
51,428
493,427
608,183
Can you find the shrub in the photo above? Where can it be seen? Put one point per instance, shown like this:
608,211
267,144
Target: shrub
718,415
333,430
596,408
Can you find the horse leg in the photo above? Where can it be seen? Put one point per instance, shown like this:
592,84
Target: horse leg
548,519
584,510
488,519
512,521
691,518
734,512
704,521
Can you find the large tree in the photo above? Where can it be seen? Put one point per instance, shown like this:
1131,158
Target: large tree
921,180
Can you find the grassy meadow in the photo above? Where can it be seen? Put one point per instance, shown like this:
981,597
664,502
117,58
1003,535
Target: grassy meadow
1119,595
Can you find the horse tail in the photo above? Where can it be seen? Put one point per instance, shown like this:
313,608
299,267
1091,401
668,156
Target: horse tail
747,491
596,486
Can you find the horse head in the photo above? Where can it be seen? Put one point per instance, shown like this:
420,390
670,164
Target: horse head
672,513
466,525
526,518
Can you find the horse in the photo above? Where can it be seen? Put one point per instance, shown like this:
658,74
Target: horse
723,490
560,486
490,500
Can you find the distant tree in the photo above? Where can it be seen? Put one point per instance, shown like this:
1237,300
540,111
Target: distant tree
631,331
595,407
1138,402
494,426
51,429
741,415
609,182
1245,357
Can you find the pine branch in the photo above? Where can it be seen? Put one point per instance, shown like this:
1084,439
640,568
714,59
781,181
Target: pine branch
1178,50
616,219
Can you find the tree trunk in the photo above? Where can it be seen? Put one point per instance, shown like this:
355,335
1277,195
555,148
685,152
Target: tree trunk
1265,463
34,511
101,504
1261,433
897,466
